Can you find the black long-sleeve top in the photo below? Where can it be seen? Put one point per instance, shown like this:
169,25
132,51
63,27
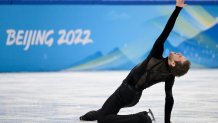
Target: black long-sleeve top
140,76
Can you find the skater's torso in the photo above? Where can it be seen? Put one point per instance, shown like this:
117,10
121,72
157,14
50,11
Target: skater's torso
142,76
155,71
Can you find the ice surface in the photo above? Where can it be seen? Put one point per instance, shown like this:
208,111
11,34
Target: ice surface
62,97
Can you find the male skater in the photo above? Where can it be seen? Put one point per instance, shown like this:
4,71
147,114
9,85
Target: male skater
152,70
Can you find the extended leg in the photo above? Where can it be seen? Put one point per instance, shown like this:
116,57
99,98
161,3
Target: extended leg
111,106
108,112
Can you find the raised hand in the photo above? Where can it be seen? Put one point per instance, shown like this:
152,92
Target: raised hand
181,3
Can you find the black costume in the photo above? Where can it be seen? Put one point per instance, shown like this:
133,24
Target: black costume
152,70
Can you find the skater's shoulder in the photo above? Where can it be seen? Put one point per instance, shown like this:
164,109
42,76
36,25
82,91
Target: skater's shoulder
170,79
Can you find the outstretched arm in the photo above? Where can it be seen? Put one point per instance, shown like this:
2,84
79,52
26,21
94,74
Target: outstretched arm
158,47
169,101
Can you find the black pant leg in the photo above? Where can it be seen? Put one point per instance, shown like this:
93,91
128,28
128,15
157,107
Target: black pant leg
111,106
118,100
109,110
132,118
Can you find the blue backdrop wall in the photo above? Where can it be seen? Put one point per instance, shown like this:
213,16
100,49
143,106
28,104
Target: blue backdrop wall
100,36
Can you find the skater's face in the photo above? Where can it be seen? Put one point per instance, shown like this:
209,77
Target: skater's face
176,57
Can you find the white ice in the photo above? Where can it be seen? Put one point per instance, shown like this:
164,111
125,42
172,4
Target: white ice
61,97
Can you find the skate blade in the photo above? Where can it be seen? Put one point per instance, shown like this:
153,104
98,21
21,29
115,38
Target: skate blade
152,115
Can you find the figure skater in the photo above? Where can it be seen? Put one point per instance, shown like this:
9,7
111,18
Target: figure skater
152,70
